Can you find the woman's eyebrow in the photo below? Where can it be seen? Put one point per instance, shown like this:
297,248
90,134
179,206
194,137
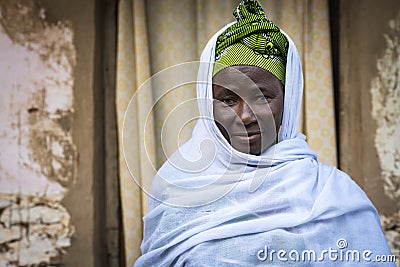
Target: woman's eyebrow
226,91
268,89
229,91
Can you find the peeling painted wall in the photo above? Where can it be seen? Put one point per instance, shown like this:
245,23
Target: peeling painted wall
37,152
385,92
369,91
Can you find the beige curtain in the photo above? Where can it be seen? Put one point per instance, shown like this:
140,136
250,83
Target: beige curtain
156,34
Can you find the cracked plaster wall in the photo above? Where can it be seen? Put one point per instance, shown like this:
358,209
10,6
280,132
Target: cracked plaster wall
369,106
385,92
37,152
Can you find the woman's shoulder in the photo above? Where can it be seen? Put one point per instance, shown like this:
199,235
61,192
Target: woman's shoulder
340,186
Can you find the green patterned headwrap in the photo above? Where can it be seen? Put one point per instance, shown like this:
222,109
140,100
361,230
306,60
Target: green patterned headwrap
253,40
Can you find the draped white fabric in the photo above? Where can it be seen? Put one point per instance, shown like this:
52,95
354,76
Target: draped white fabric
233,209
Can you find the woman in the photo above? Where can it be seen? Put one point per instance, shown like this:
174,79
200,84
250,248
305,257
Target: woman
246,190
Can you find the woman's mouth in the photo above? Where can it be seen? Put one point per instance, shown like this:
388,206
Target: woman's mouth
249,137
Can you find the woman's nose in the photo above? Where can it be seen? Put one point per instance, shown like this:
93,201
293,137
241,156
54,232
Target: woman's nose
246,113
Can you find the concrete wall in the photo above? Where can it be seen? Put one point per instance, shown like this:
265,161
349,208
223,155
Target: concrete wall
370,104
52,144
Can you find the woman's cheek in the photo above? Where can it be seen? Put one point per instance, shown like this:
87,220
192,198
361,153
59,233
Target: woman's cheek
224,115
277,112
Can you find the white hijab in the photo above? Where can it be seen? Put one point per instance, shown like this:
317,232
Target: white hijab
211,205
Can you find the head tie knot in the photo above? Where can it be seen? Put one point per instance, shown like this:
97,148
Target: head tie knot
253,40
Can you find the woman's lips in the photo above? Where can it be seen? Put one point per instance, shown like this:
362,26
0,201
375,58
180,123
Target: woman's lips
249,137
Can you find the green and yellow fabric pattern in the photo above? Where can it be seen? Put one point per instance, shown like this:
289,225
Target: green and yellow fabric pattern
253,40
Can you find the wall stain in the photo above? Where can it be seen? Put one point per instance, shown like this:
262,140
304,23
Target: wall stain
385,92
35,228
53,149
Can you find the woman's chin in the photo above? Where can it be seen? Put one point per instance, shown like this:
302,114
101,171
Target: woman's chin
254,148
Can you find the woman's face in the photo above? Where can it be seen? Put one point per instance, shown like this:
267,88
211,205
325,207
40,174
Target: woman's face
248,107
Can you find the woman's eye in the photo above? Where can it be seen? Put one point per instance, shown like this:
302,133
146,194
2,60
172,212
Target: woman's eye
229,101
263,98
269,97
